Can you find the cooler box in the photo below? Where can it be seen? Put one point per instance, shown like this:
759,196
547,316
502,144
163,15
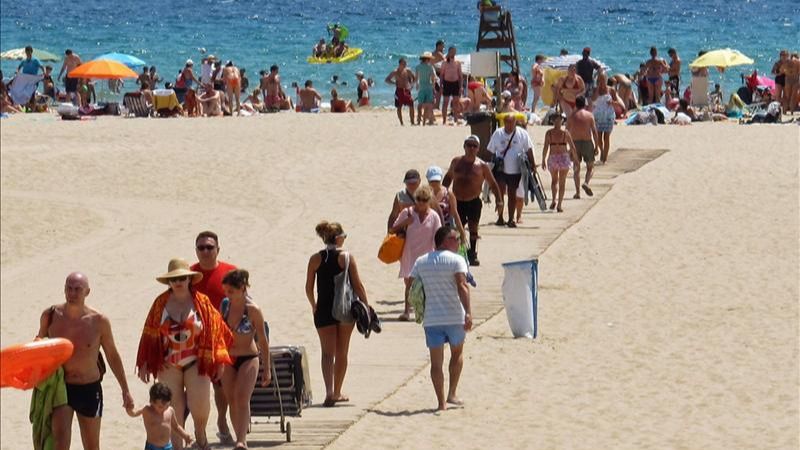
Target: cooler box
482,124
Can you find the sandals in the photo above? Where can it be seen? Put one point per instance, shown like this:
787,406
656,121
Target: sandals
225,438
587,189
329,402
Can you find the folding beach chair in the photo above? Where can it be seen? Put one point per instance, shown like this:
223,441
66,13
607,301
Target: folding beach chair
136,105
700,98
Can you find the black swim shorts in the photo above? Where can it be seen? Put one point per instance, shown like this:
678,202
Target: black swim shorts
86,399
70,84
450,88
470,211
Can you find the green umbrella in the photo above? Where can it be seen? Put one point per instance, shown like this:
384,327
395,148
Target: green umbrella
343,33
18,54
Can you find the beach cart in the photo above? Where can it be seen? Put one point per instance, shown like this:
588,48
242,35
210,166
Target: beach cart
288,392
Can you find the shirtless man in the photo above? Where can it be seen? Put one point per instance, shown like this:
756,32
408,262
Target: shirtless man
569,88
451,85
582,128
780,78
653,69
71,61
674,73
309,98
436,61
402,78
211,102
88,330
467,173
272,89
233,85
791,70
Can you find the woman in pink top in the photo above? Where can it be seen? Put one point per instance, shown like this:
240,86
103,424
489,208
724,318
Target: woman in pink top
420,223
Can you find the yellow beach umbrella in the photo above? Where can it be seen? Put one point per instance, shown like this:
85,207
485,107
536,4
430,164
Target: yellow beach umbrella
723,58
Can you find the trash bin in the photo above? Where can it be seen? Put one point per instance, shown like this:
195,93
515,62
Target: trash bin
520,297
482,124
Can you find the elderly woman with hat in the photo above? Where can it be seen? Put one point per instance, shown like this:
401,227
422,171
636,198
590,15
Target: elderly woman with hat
184,345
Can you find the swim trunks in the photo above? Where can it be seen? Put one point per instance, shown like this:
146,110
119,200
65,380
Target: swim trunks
780,80
470,210
585,150
402,97
272,101
510,179
149,446
450,88
86,399
559,161
437,335
71,84
425,95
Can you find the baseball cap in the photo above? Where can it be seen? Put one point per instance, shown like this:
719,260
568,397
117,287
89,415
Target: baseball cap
434,173
473,138
189,62
411,175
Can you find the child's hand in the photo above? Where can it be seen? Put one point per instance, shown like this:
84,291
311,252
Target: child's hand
188,439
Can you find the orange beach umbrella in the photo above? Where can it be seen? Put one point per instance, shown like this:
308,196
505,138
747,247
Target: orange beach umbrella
105,69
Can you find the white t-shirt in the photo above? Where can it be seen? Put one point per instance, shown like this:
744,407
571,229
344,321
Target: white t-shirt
205,73
520,145
437,271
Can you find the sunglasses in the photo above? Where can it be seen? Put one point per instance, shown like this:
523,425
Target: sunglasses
179,279
205,248
471,145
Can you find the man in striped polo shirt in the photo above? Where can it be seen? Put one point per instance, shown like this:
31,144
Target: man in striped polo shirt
447,310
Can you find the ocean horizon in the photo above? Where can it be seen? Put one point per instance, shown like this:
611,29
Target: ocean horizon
256,35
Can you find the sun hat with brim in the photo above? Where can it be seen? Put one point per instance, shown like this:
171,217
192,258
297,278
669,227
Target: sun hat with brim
178,267
426,55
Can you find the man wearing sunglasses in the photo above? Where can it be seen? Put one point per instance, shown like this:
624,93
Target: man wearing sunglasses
207,249
467,173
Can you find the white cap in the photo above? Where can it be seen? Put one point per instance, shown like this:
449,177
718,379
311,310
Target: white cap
189,61
506,93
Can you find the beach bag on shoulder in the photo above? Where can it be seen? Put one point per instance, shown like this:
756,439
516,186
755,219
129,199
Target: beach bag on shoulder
343,295
391,249
499,161
416,298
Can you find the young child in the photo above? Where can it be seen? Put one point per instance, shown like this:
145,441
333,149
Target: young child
159,419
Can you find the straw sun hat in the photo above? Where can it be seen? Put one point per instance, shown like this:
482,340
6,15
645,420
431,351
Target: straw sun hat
178,267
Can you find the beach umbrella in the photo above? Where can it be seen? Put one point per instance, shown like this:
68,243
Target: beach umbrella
344,32
18,54
128,60
722,58
102,69
563,62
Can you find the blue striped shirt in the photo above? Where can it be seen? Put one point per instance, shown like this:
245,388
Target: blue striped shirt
438,270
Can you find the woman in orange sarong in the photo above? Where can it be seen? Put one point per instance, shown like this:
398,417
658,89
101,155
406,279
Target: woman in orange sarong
184,345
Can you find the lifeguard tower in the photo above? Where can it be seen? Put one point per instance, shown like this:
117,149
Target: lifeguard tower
496,32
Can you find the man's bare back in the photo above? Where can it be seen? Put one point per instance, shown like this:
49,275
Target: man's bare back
273,84
580,125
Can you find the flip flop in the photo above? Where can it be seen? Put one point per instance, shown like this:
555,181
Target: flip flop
225,438
511,224
500,222
587,189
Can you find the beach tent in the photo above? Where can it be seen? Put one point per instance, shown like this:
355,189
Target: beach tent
104,69
128,60
18,54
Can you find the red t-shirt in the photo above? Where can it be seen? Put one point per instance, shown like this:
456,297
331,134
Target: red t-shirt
211,284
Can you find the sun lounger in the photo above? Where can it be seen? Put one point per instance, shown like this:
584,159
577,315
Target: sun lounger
136,105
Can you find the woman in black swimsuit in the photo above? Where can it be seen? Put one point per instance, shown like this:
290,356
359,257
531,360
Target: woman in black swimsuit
246,322
334,336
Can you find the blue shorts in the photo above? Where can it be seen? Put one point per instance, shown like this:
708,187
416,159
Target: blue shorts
425,95
438,335
149,446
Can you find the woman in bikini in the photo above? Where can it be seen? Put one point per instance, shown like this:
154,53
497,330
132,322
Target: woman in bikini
537,81
558,143
184,345
250,342
569,88
334,336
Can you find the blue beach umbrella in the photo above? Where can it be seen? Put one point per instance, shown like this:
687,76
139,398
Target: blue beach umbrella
128,60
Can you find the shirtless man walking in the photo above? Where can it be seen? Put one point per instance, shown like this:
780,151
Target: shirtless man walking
467,173
654,68
402,78
233,85
451,84
88,330
674,73
71,61
582,128
272,89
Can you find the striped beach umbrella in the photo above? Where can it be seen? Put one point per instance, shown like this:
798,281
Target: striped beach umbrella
18,54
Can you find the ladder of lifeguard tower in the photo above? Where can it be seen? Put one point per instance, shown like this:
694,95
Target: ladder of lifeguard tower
496,32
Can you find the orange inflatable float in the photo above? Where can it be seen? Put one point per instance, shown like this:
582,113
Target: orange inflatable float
23,366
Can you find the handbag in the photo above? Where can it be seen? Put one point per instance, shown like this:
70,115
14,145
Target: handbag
392,248
343,295
499,161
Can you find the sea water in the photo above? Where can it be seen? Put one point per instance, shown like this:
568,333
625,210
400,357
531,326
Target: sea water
256,34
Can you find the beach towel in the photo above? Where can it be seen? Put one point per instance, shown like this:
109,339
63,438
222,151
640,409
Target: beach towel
47,395
22,88
165,99
213,341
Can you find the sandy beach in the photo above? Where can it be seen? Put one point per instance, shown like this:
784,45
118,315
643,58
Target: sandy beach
668,312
